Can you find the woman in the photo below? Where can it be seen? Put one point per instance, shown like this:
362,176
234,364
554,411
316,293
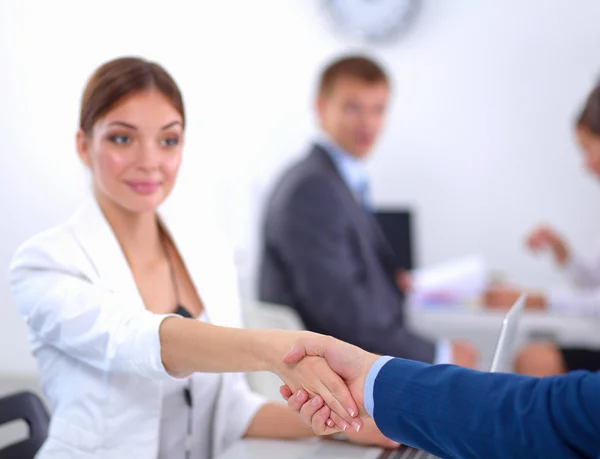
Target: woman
583,299
104,295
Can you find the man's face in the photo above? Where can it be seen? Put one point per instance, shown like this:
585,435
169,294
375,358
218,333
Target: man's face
352,113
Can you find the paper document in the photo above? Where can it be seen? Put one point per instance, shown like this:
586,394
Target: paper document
455,282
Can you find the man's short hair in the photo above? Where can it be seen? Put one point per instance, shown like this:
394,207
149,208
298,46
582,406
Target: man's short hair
359,67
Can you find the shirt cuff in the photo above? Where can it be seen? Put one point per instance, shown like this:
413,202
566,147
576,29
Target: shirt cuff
443,352
146,356
370,383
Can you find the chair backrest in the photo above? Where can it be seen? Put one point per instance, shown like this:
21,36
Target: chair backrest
28,407
397,226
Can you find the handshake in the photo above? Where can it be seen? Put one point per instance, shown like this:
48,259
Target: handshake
324,380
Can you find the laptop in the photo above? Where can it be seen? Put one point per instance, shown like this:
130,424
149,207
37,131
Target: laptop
318,449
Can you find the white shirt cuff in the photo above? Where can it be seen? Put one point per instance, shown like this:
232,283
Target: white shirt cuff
146,356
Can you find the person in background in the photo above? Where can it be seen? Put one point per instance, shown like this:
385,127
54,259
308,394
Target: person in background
323,253
456,412
583,298
133,317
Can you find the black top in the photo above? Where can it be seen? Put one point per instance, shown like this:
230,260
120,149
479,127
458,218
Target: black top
183,312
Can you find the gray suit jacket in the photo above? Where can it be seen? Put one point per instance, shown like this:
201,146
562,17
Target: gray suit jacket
326,257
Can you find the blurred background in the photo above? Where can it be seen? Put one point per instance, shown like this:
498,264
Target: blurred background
478,142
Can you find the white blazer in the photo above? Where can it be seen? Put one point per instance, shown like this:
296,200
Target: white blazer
97,347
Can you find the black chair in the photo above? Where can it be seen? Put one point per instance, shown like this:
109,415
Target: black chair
397,226
29,408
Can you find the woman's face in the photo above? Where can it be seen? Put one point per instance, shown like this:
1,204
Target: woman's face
134,151
590,144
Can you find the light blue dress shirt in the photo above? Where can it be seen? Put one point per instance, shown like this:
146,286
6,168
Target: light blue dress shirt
350,168
354,175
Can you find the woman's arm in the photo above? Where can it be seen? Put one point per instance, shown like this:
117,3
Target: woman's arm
91,323
189,346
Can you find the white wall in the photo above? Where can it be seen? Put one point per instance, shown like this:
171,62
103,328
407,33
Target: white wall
478,140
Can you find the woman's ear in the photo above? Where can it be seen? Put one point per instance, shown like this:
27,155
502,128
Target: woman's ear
82,141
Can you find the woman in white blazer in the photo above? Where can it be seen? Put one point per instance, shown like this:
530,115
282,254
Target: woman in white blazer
583,297
104,294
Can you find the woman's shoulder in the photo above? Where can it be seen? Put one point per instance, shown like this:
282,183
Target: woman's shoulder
50,241
56,245
60,243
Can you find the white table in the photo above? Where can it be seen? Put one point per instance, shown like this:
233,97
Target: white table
482,327
299,449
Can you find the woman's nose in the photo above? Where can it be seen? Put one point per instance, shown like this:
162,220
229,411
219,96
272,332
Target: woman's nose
148,156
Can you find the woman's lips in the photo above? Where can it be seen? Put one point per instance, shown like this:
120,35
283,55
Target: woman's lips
143,186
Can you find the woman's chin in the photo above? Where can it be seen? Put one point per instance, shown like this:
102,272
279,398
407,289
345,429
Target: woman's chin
144,204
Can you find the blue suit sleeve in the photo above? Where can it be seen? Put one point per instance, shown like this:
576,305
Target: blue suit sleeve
459,413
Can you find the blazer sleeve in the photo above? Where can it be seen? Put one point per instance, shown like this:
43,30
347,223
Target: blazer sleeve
459,413
584,273
583,297
65,309
336,289
572,302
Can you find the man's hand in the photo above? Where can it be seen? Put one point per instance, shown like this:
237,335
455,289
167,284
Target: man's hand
350,362
464,354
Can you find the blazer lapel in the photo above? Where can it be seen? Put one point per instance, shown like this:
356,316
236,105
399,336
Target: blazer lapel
97,239
99,242
363,220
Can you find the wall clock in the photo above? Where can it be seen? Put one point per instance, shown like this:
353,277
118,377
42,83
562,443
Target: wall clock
373,20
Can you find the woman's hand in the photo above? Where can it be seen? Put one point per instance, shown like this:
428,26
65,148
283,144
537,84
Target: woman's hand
313,376
316,414
316,378
545,238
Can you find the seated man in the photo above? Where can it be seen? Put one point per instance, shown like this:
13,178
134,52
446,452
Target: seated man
323,253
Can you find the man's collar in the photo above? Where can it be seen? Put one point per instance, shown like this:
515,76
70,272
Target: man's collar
350,168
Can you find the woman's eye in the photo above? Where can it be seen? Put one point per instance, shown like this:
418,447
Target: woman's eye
120,139
170,142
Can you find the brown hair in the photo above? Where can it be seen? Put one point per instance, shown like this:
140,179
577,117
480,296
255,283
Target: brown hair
119,78
360,67
589,118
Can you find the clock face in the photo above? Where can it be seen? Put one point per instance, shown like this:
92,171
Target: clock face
373,20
